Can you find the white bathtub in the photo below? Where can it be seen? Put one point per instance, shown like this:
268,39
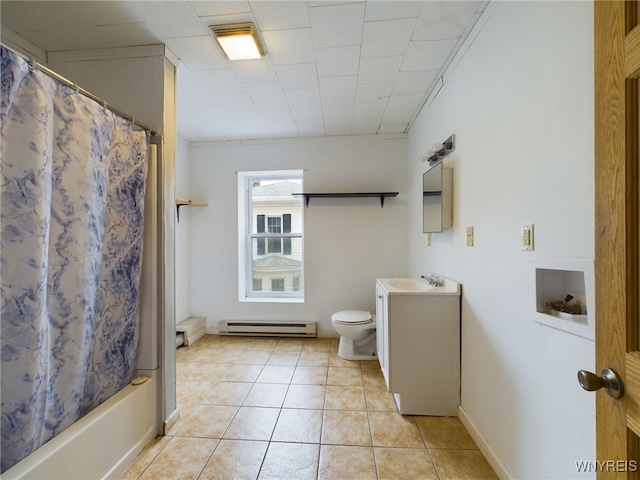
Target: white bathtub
101,445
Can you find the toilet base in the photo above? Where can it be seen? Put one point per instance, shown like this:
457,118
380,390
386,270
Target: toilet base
364,349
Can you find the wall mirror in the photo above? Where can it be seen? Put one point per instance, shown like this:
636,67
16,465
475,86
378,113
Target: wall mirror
436,198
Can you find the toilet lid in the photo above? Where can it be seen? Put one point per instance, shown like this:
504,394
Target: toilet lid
352,317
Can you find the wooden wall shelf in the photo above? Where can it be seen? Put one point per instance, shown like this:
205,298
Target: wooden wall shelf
381,195
182,202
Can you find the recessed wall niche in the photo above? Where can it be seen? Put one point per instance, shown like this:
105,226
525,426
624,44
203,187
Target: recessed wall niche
563,296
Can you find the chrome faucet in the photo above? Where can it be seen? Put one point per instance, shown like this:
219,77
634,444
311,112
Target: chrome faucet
433,281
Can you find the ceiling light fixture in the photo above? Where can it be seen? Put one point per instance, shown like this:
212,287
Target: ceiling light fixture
239,41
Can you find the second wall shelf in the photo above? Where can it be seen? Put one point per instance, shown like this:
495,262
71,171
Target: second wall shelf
381,195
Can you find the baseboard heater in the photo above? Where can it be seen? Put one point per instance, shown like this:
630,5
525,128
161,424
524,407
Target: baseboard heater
267,329
191,329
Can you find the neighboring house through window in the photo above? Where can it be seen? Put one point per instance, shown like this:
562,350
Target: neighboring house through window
270,247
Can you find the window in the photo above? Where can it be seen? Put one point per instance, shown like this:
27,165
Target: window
270,233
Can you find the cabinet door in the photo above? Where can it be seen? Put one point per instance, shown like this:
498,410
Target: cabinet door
382,332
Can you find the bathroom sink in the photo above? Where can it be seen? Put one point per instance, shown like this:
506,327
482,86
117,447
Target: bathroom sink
409,284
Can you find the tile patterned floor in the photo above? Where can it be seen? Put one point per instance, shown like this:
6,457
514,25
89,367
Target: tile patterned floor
267,408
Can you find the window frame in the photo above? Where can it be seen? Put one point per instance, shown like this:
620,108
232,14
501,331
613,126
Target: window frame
246,237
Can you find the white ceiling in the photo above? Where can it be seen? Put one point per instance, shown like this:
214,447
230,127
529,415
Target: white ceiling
332,67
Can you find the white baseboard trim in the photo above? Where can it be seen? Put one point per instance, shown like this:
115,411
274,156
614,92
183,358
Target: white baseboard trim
484,447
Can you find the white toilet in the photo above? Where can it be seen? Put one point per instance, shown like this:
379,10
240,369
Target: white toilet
357,329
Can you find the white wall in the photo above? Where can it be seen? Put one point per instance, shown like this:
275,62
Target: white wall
348,242
520,103
183,252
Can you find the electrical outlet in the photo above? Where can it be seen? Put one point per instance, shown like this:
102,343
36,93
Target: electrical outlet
469,236
428,239
527,237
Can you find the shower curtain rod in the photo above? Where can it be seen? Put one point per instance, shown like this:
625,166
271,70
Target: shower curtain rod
47,71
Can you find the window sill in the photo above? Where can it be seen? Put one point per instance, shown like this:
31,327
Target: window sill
272,299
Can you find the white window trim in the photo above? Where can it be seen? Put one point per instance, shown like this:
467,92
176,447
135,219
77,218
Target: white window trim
244,262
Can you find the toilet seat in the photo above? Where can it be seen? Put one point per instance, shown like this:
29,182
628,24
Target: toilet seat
352,317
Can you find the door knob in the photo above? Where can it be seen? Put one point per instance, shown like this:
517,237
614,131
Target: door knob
608,379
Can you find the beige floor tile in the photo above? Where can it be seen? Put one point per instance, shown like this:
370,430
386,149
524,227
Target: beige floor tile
343,462
344,376
252,423
310,376
370,364
186,371
461,465
336,361
313,358
403,464
145,457
266,395
345,428
235,459
317,345
373,378
345,397
205,421
193,391
181,458
394,430
379,399
298,425
305,396
224,393
223,355
276,374
263,344
295,461
255,357
445,432
283,358
242,373
290,345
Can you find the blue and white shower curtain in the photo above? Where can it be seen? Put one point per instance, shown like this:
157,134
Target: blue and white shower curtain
72,200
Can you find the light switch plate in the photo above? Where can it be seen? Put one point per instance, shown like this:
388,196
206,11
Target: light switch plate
469,236
527,236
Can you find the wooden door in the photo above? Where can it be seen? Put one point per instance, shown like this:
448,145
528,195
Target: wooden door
617,68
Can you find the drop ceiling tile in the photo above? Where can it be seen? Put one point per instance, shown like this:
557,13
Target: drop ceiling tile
230,130
307,114
337,61
246,117
279,15
376,37
311,129
444,20
338,107
379,69
265,91
209,21
337,87
306,97
393,128
374,93
259,70
428,55
392,10
369,112
274,109
127,34
236,101
195,96
170,19
185,78
337,25
302,75
219,81
283,128
198,53
396,117
405,102
414,82
257,130
204,114
216,7
287,47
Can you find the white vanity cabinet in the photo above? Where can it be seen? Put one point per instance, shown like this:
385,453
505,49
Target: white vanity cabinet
418,335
